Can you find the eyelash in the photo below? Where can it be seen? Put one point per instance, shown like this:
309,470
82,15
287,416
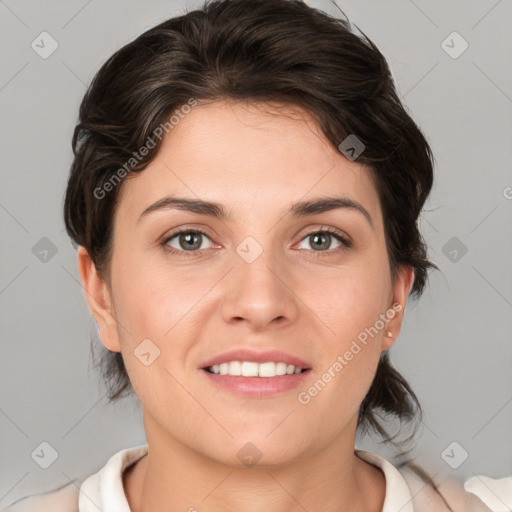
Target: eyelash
345,243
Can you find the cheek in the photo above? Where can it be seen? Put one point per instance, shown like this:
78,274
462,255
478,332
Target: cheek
351,307
149,299
158,313
350,355
352,300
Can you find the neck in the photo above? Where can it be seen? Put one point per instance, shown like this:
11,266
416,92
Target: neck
174,477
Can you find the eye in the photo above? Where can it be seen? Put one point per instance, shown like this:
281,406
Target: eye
321,240
187,240
192,241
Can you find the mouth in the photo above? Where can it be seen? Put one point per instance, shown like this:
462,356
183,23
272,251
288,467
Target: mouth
255,380
253,369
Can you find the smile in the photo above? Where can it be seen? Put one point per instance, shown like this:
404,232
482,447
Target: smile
252,369
255,380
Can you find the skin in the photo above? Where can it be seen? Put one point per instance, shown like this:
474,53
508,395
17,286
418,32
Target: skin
256,160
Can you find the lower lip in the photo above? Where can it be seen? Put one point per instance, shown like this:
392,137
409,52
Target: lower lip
258,387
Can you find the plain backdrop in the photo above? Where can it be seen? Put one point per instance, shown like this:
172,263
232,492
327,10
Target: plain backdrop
455,347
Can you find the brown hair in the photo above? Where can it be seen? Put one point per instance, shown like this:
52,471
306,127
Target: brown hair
255,51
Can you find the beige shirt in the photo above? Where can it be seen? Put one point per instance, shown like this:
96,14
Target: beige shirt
405,491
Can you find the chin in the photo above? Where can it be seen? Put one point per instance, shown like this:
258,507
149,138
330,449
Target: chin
258,451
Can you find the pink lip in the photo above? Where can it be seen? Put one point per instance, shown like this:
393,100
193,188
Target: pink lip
268,356
257,387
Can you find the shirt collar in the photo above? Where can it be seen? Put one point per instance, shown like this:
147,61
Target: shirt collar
398,496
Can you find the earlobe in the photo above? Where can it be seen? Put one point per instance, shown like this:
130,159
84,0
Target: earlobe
99,300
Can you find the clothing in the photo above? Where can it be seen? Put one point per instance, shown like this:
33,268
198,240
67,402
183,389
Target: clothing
405,491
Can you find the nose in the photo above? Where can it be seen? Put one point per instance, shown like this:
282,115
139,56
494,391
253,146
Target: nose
260,293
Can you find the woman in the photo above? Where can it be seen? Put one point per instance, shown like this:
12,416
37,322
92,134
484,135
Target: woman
244,197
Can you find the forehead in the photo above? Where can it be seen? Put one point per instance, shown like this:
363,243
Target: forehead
246,156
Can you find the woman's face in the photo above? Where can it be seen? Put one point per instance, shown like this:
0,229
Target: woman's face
261,279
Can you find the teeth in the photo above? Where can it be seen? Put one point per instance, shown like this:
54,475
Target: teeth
234,368
251,369
280,368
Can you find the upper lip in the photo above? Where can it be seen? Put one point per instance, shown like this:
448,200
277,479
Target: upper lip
245,354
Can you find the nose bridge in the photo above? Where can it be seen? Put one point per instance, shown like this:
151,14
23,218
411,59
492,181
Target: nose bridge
258,288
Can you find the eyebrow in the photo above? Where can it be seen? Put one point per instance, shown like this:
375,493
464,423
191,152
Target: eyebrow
217,210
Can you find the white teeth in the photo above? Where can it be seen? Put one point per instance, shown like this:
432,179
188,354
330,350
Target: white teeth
281,369
251,369
235,368
267,370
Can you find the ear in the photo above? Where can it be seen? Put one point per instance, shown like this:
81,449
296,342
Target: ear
401,290
99,300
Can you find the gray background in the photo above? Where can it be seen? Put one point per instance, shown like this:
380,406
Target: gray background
455,348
